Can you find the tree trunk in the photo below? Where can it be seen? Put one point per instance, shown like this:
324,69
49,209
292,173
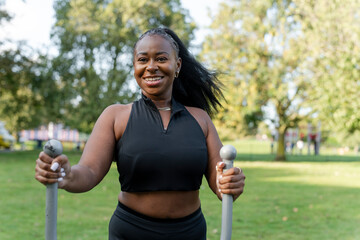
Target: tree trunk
280,153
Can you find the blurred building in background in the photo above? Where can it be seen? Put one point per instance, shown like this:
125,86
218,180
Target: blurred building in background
53,131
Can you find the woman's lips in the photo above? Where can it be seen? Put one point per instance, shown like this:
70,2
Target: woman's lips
152,81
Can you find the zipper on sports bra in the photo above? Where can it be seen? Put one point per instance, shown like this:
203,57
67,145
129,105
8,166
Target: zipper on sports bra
164,130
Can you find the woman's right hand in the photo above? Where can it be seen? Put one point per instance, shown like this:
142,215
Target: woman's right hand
50,170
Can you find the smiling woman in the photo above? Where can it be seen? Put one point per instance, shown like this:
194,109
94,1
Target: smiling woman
163,145
156,64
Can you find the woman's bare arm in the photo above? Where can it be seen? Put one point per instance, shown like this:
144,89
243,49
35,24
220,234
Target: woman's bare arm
97,157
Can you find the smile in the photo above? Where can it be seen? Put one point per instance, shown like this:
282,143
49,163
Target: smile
153,79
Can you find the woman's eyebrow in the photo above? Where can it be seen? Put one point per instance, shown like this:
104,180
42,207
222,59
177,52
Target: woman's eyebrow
158,53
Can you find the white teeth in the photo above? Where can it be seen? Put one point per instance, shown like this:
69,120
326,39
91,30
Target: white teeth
153,79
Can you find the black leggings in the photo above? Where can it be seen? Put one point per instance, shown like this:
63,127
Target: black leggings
127,224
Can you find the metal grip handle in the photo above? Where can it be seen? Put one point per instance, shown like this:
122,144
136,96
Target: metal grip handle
228,154
53,148
51,211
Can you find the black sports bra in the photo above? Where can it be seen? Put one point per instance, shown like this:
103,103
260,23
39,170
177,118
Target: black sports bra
151,158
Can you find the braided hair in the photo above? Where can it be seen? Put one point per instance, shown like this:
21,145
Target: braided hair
195,86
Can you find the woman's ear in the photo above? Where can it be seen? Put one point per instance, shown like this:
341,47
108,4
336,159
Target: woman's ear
178,64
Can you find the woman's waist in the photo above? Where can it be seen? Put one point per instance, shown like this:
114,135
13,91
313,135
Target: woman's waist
162,204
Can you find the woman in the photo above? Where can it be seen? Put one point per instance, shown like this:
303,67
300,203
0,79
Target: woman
163,144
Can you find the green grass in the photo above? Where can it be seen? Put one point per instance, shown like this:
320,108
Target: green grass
304,198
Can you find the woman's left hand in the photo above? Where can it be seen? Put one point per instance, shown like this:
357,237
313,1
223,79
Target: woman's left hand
232,181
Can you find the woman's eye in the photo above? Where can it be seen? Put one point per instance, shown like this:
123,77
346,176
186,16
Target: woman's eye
162,59
142,60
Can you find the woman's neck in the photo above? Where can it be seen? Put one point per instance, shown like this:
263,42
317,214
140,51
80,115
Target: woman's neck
160,102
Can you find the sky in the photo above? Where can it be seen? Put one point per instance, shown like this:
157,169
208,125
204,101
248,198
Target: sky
33,20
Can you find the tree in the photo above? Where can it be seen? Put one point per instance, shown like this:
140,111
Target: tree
21,85
331,32
300,58
255,45
28,97
95,40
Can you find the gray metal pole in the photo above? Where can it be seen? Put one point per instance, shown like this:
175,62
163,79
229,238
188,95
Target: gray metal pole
228,154
53,148
51,211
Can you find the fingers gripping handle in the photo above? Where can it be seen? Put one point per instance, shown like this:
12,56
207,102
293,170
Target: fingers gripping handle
228,154
53,148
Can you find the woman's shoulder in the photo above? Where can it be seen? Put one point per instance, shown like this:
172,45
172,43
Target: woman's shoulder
119,113
198,112
115,111
119,106
201,117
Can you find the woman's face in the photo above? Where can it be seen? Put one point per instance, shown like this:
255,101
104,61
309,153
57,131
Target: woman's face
155,64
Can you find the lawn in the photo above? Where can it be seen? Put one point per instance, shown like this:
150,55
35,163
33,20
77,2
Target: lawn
304,198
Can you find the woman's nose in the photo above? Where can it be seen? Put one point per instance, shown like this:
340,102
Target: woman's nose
152,66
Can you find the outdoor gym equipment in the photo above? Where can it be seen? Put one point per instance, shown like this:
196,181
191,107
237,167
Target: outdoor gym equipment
53,148
228,154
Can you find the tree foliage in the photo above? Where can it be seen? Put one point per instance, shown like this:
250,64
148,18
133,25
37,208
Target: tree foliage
95,40
28,97
298,58
22,85
255,44
92,68
331,39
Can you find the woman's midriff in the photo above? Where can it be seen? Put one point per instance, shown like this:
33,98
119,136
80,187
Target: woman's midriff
166,204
